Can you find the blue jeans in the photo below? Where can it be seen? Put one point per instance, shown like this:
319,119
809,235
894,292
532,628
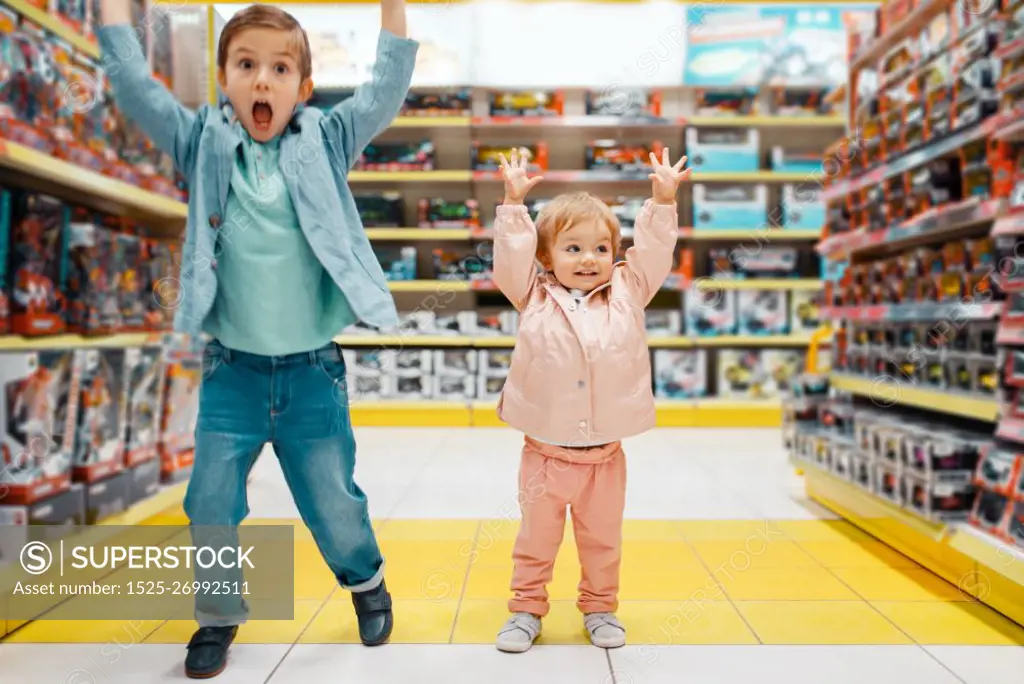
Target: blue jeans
298,403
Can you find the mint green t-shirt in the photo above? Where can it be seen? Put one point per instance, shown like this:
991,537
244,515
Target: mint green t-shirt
273,296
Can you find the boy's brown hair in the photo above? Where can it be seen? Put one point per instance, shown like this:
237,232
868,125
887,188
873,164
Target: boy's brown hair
267,17
568,209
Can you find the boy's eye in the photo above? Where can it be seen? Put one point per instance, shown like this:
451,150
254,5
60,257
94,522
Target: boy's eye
245,64
282,69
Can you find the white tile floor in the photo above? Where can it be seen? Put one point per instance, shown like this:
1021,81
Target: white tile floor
446,473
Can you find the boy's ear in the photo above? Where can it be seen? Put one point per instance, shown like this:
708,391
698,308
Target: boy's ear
221,78
305,90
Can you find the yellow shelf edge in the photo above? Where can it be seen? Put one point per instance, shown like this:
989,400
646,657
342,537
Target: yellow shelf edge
54,25
429,285
18,343
751,176
766,234
768,120
890,393
499,341
40,165
996,555
759,284
453,176
418,233
432,121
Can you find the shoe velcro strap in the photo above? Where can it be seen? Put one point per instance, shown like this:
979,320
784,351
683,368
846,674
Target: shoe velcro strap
523,624
371,601
210,637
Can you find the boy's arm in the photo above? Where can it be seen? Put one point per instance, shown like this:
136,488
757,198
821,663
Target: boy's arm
142,98
515,253
352,124
655,234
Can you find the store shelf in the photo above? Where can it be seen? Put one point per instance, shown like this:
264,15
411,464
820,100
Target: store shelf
915,311
770,234
753,177
117,341
584,121
41,172
429,285
508,341
418,233
453,176
768,121
431,122
54,25
884,392
758,284
978,565
911,25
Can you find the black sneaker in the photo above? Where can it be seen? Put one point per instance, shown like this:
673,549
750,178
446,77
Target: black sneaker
208,651
373,612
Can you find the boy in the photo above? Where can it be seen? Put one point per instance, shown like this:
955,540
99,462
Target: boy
275,263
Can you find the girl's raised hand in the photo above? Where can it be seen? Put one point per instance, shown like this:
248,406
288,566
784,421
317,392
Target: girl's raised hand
517,184
665,178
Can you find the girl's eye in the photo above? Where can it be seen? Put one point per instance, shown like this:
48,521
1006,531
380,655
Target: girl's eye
573,248
282,69
245,64
602,248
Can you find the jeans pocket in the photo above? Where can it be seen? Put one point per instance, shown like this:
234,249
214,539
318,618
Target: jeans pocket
212,360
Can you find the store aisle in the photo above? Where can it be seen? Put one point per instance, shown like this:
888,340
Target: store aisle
730,575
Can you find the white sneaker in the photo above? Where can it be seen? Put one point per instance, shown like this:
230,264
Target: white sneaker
605,630
519,633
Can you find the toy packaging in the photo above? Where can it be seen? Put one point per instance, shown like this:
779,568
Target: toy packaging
535,103
785,160
484,157
633,103
753,261
130,293
802,207
663,322
804,311
438,212
398,157
726,102
724,207
742,374
802,102
710,312
783,367
27,82
38,228
184,373
762,312
92,279
458,103
161,289
5,283
47,520
102,415
40,405
680,373
729,150
380,210
145,390
398,263
612,155
464,264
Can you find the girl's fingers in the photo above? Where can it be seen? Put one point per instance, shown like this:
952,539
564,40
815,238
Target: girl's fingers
679,164
504,162
665,158
654,160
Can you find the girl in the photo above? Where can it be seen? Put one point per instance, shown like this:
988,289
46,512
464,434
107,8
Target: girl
579,383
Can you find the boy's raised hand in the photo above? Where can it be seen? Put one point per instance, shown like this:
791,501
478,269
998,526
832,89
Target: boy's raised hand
517,184
665,178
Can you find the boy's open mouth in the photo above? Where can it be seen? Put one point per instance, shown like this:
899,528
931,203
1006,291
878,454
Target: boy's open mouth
262,114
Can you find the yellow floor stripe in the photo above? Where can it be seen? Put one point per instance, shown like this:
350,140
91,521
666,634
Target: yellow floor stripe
682,582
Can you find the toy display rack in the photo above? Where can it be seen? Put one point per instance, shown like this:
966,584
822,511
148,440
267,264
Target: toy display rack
981,563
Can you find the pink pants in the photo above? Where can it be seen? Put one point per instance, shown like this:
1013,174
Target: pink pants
595,493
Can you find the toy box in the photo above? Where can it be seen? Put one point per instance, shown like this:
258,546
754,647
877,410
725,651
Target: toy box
183,376
145,393
46,520
527,103
762,312
742,374
633,103
26,87
162,287
725,102
37,423
462,264
783,366
130,292
802,207
38,229
380,209
458,103
412,387
488,322
143,480
410,362
804,311
789,161
438,212
613,155
99,448
5,284
398,157
729,150
455,362
489,386
755,261
485,157
680,373
92,292
710,312
495,362
454,387
663,322
398,263
724,207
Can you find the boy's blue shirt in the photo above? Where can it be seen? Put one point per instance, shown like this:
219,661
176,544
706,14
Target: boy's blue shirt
317,151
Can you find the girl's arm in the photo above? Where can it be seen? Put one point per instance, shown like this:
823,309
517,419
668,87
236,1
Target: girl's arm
649,260
657,229
515,236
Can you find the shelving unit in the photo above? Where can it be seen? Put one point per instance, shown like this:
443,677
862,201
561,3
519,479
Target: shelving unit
918,418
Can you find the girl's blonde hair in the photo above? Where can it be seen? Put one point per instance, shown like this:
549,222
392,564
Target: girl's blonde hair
568,209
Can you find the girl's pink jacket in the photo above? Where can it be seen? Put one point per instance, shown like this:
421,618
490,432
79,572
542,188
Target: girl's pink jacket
581,375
